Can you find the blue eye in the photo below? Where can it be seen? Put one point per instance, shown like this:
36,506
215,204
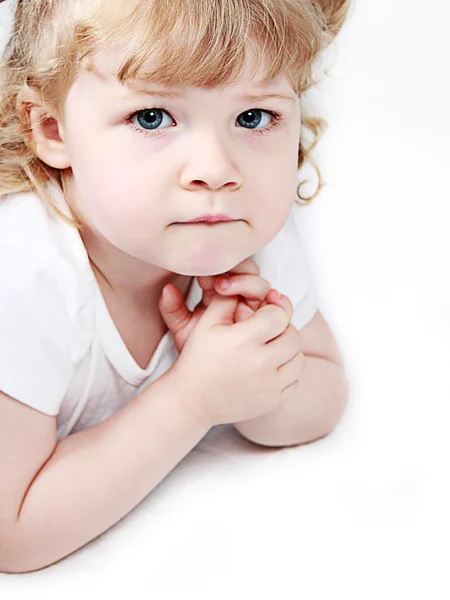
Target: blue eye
252,118
148,120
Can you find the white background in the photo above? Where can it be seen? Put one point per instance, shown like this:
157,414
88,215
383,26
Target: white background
363,513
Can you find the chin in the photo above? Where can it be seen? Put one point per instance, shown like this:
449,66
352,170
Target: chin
207,270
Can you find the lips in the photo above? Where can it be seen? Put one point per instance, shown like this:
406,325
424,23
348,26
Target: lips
209,219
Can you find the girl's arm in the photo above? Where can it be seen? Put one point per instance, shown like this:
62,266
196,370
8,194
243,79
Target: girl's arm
94,477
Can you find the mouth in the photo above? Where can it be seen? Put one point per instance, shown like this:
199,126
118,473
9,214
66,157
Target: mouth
208,219
208,222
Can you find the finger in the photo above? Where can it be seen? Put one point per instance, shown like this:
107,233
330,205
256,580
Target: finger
284,302
286,347
173,307
206,282
248,265
176,314
179,319
250,287
243,312
267,323
220,311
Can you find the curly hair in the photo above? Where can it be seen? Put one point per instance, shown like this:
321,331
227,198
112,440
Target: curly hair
197,42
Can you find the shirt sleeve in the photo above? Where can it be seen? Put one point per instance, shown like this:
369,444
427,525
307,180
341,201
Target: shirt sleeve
36,333
283,263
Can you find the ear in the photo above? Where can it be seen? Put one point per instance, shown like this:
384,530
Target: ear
46,132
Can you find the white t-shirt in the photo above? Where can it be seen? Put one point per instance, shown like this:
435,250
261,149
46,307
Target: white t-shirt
60,352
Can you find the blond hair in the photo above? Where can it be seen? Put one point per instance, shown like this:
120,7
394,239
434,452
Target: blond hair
197,42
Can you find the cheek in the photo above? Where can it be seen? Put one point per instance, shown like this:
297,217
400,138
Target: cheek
278,171
110,177
276,194
111,199
277,183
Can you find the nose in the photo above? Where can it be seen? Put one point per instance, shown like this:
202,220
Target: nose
209,164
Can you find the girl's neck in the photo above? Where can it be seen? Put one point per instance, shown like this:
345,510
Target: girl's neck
140,298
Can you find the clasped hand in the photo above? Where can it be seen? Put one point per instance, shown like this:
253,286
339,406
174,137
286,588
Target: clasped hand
244,280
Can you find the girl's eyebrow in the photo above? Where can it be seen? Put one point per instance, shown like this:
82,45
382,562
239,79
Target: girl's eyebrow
247,97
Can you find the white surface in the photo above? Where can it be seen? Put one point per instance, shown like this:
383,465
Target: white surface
363,513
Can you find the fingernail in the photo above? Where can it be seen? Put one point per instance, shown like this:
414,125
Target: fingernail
224,284
278,295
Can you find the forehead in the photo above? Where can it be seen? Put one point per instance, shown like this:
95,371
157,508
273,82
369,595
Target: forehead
252,77
196,43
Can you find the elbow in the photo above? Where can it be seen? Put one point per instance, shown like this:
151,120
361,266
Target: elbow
10,556
335,409
10,566
7,547
339,407
17,557
340,402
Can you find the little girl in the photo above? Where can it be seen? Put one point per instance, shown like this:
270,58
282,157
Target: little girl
149,151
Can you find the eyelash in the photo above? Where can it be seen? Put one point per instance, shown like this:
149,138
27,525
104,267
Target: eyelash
278,118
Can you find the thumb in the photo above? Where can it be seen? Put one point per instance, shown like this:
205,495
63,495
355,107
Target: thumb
173,309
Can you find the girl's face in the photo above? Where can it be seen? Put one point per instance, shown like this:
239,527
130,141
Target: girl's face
142,163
